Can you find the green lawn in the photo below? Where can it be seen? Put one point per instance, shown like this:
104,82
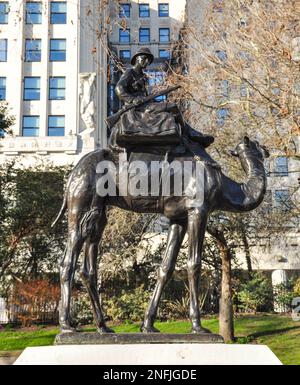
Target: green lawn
280,333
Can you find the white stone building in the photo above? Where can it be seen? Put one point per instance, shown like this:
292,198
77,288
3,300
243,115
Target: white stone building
53,69
53,77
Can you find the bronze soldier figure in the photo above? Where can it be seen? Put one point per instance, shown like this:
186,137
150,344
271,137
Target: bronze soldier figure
151,118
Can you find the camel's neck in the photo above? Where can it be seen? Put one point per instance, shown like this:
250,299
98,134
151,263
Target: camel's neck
241,197
255,187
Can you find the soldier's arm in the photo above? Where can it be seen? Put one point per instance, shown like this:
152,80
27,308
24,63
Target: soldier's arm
122,87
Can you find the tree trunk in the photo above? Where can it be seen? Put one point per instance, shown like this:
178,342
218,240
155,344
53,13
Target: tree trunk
226,324
248,255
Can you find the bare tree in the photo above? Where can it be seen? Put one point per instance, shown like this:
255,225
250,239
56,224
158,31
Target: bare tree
240,75
243,71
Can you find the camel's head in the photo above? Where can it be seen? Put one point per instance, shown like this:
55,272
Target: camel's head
250,147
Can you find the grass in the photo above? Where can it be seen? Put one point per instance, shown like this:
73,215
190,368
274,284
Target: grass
280,333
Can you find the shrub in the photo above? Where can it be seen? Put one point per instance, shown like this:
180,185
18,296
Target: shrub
82,309
178,308
35,301
283,296
256,294
296,288
128,306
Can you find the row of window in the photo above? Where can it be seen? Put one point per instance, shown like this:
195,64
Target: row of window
126,54
31,125
280,167
33,12
144,10
32,88
33,50
144,35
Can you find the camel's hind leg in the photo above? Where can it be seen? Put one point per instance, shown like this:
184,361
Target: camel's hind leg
175,238
89,269
197,221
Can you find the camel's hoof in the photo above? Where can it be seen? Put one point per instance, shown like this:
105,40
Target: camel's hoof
67,329
149,329
200,330
104,330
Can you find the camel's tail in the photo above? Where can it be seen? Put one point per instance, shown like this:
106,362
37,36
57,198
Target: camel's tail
61,212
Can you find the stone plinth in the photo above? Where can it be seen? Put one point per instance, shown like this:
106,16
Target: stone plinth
149,354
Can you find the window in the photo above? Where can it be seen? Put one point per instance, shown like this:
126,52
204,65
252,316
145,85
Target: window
125,54
222,114
244,90
221,55
282,200
267,167
164,54
225,88
33,12
33,50
144,10
124,11
144,35
163,10
124,35
164,35
58,12
156,78
281,166
3,50
245,56
57,88
56,125
32,88
4,9
2,88
31,125
57,49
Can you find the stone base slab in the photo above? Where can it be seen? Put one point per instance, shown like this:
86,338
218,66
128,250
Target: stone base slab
83,338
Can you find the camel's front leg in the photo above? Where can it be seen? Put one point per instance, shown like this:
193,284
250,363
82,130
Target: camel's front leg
196,231
175,238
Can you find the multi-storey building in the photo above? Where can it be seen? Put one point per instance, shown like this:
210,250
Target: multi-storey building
53,77
53,69
273,253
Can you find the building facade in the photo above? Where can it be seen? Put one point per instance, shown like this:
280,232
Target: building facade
277,254
54,69
53,77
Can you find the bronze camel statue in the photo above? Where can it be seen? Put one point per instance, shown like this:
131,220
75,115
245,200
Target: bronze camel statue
87,220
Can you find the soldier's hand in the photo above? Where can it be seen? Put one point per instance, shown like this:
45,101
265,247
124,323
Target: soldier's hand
138,100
